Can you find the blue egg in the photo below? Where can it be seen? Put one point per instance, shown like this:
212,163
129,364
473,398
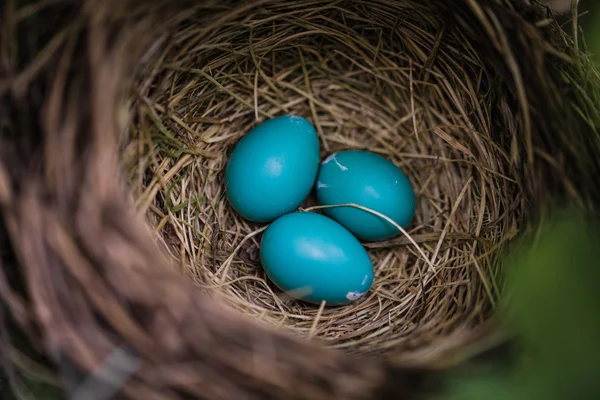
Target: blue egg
273,168
313,258
371,181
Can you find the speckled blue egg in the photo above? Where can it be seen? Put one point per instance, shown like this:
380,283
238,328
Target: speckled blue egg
273,168
313,258
369,180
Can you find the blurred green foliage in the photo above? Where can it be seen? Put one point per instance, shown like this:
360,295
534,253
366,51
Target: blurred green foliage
28,383
590,25
553,309
30,389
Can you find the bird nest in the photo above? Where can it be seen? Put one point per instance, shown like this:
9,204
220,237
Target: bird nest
381,77
120,119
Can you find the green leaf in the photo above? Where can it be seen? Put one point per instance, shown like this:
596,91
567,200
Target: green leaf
552,302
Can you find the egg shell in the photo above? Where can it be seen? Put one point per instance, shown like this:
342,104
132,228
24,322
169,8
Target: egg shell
273,168
371,181
313,258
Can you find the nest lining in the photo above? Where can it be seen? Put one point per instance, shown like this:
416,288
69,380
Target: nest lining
381,76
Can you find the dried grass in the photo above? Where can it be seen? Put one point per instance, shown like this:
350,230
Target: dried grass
381,76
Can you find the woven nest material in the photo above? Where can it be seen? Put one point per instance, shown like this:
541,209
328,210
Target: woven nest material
349,69
120,115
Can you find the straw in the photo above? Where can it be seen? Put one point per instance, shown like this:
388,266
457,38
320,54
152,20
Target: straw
361,87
